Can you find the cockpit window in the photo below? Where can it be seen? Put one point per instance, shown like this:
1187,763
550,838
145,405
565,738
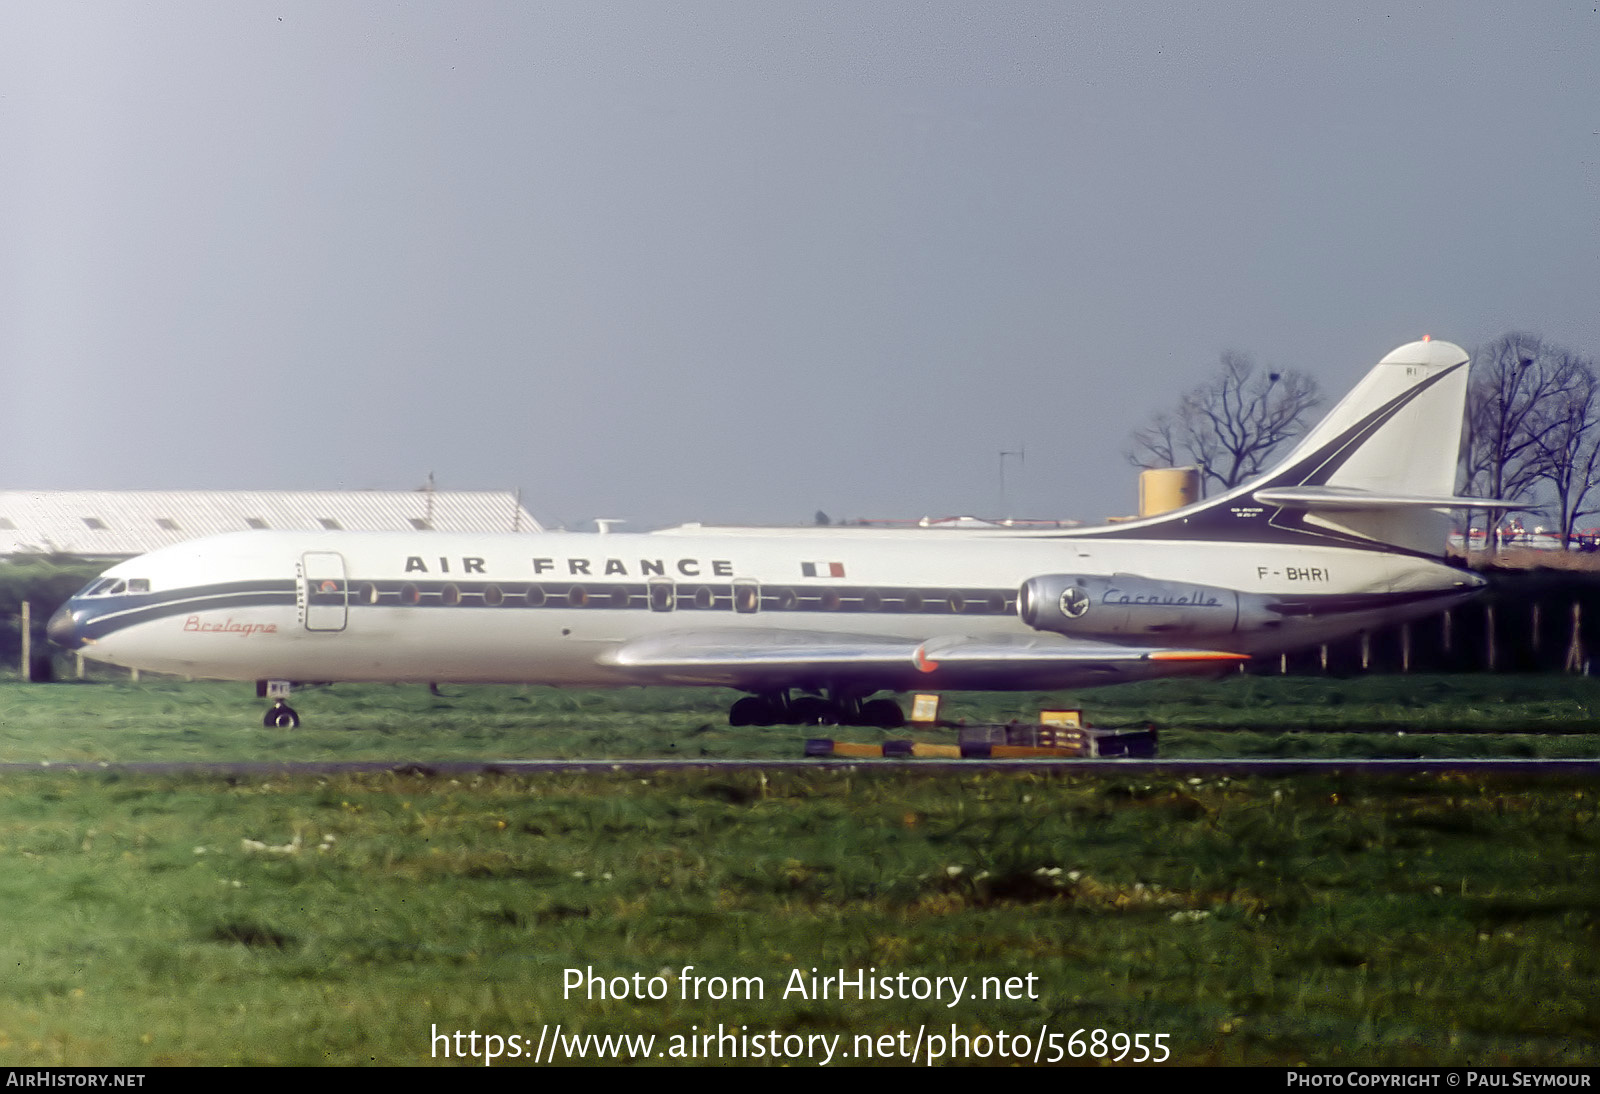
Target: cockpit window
114,586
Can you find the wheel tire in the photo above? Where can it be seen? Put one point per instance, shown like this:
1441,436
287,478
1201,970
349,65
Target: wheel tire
281,717
753,710
809,710
883,713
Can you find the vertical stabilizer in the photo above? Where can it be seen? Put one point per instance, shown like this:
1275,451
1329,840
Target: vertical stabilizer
1412,448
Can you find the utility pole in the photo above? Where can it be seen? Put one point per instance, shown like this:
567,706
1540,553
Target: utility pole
1021,455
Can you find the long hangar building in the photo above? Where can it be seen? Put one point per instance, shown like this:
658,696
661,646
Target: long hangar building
116,524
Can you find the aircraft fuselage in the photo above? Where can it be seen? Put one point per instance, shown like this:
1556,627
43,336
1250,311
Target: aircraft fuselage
558,608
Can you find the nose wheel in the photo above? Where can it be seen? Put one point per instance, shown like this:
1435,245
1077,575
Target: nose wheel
281,716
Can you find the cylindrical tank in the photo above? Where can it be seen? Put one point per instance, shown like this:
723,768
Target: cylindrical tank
1165,488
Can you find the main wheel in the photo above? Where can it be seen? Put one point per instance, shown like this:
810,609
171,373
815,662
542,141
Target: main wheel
810,710
752,710
882,713
281,716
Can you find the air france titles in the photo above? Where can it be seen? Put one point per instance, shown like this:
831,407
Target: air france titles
648,567
583,567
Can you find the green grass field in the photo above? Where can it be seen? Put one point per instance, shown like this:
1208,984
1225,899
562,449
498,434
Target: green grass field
1335,919
165,719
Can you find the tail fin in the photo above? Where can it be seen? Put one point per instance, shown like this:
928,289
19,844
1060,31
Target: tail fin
1378,472
1399,430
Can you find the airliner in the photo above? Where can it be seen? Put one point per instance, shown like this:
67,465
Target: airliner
1347,533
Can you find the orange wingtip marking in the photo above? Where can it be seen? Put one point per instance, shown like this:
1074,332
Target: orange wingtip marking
920,659
1197,655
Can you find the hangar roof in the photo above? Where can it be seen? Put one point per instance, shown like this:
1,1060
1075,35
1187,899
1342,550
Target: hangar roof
117,524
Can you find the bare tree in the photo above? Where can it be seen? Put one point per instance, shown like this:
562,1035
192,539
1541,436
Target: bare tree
1531,419
1230,426
1569,443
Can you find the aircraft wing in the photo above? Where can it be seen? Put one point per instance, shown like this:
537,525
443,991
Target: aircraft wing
760,660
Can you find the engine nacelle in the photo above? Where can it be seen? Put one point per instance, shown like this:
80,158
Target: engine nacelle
1125,604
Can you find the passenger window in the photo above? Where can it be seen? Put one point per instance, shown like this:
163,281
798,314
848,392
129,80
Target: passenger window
660,595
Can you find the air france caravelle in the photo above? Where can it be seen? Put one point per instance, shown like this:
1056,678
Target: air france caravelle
1345,534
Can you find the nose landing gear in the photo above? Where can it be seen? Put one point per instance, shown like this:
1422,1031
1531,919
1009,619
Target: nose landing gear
280,715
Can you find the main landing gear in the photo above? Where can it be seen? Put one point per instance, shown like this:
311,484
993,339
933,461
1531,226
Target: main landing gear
778,708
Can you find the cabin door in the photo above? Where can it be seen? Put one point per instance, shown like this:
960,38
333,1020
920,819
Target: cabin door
324,591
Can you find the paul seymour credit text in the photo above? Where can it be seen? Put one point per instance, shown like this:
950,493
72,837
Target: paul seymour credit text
741,1039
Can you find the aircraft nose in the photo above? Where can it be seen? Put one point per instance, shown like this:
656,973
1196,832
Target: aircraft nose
63,628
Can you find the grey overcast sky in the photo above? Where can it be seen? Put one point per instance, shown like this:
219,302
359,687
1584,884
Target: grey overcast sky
741,261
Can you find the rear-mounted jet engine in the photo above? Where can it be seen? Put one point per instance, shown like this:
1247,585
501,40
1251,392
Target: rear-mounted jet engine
1124,604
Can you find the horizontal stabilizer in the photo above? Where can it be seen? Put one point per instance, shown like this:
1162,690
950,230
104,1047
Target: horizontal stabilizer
1353,499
